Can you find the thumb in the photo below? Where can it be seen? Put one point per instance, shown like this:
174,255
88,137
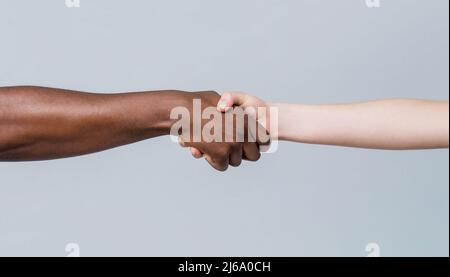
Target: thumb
230,99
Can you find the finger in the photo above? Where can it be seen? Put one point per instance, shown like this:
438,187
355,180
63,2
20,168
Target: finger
262,136
218,165
251,151
230,99
236,157
196,153
181,142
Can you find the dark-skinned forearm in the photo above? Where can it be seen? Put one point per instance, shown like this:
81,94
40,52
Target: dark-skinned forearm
42,123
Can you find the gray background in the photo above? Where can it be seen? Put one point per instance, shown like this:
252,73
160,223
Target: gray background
153,199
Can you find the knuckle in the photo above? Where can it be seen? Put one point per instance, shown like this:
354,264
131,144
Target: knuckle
209,92
236,145
222,168
220,158
255,157
225,150
236,163
212,92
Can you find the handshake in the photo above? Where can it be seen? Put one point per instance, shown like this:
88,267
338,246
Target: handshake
224,129
39,123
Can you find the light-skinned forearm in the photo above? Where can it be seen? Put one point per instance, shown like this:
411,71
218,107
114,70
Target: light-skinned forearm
383,124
